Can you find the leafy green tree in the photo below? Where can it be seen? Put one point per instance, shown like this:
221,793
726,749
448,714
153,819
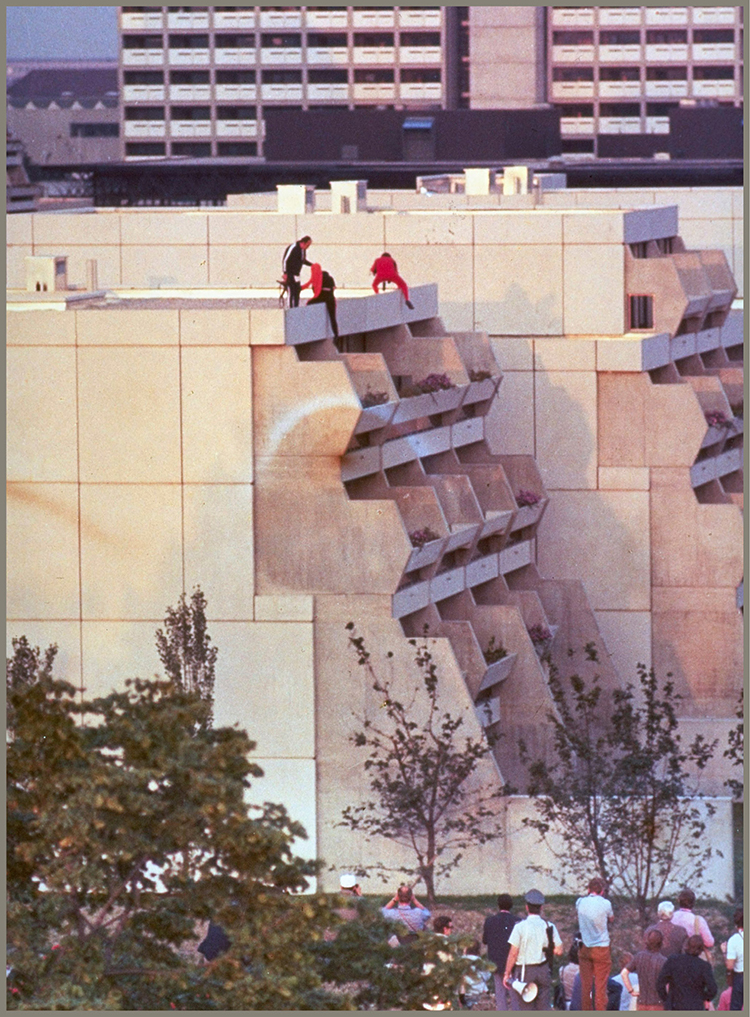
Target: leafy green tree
619,799
185,649
129,825
419,766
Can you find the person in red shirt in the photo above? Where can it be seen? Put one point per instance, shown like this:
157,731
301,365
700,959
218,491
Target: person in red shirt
385,270
323,286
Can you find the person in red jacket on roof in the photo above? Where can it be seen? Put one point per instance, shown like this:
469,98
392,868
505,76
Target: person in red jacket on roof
323,286
385,270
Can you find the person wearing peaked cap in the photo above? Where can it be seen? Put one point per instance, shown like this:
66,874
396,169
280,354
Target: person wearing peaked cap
532,943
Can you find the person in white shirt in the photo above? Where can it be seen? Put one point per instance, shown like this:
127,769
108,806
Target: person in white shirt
594,957
528,957
736,961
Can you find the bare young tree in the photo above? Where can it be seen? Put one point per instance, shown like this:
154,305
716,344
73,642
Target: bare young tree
419,764
185,648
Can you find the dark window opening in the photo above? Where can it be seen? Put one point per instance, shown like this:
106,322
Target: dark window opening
641,312
713,73
144,112
235,41
142,42
236,113
191,113
666,73
189,77
576,109
666,36
144,77
328,76
281,40
616,38
713,35
660,109
95,130
572,73
281,77
326,40
619,109
145,148
639,250
379,39
373,76
237,148
196,149
420,75
235,77
188,42
619,74
420,39
572,38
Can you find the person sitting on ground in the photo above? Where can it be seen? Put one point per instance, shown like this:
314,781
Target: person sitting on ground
673,936
385,270
646,964
693,924
568,972
686,982
735,961
404,907
323,286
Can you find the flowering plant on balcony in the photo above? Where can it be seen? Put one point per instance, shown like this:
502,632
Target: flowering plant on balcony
421,537
373,398
434,383
475,375
495,651
527,498
717,419
539,634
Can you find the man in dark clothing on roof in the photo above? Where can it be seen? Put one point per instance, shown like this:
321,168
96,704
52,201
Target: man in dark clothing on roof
496,931
295,256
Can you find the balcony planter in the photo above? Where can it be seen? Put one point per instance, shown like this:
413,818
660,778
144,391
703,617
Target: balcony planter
703,472
427,554
428,404
497,672
496,522
410,599
461,535
481,391
482,570
375,417
428,443
527,515
466,432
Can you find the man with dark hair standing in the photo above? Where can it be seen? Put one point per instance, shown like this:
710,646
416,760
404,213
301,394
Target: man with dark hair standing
529,957
295,256
594,956
495,937
736,960
694,925
686,982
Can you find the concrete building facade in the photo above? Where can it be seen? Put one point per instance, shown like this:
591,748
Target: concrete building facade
196,433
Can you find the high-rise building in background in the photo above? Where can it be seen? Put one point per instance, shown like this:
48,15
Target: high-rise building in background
195,80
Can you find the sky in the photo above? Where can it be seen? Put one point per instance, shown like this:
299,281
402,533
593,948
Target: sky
61,33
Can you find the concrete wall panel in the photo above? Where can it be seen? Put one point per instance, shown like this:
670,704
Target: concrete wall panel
153,266
593,307
509,425
42,569
129,415
566,441
40,328
66,635
518,290
128,327
219,551
84,228
131,550
627,635
41,403
114,651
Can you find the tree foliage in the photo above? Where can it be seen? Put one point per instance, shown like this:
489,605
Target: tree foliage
420,767
735,751
185,649
619,799
128,826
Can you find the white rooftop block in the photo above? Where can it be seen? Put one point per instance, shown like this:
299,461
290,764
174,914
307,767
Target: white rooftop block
45,275
348,196
515,180
479,180
295,199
